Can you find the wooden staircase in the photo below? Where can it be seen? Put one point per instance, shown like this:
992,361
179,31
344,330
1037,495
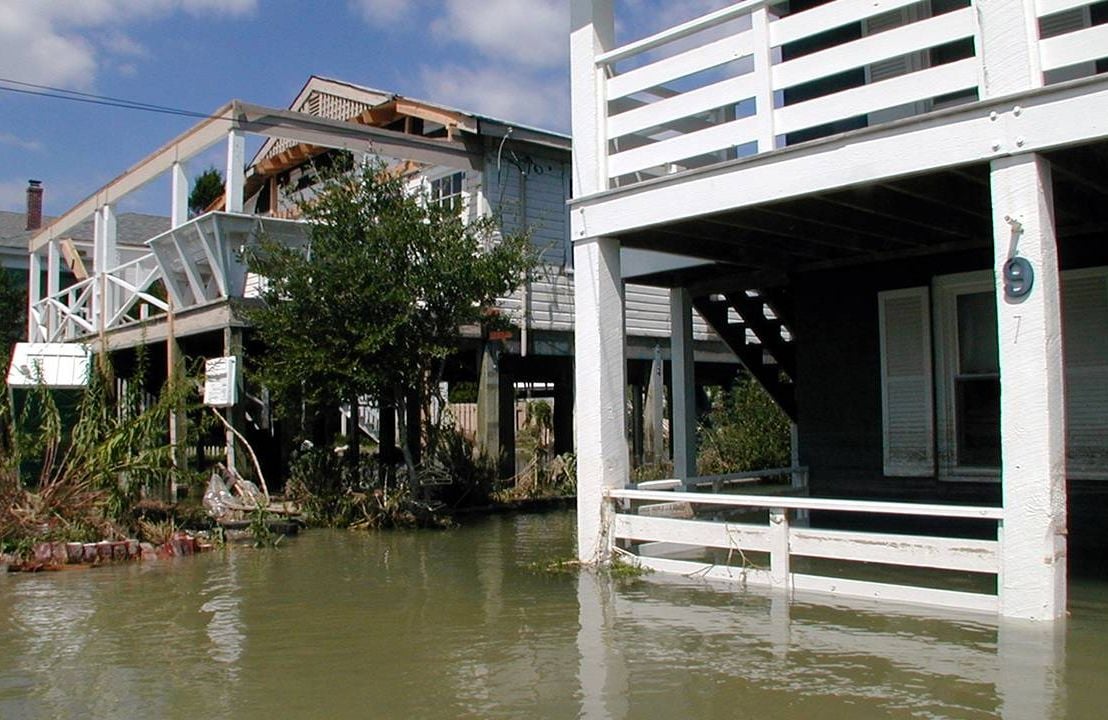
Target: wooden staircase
756,325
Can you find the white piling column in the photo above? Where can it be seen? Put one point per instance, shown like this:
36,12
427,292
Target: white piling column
682,383
235,176
34,295
602,453
1032,581
179,199
109,257
53,283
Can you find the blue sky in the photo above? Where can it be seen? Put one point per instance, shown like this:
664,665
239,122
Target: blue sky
505,58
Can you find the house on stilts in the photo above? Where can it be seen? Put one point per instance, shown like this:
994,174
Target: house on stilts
181,290
895,214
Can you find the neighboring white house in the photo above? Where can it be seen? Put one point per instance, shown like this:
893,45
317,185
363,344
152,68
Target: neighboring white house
909,198
481,165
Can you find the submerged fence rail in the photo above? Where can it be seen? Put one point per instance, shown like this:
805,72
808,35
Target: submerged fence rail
665,543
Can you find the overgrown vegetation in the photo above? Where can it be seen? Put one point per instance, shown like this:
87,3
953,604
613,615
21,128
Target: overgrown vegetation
78,475
745,430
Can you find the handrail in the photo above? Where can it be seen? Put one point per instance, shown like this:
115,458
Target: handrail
797,503
679,31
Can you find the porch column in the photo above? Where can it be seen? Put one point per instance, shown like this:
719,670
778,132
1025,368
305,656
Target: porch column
488,402
179,201
105,257
53,283
1032,582
602,461
235,176
682,384
232,347
34,295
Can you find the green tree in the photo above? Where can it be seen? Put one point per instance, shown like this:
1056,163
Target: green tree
374,303
205,190
13,312
745,430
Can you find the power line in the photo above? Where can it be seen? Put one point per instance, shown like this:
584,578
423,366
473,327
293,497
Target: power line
26,88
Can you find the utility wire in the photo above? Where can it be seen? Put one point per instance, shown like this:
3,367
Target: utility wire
26,88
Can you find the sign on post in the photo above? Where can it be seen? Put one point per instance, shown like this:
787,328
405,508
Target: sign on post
221,387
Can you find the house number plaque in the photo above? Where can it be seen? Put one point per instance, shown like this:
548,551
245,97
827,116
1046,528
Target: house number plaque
1018,277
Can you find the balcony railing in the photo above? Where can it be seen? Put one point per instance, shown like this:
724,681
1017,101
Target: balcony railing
750,78
195,264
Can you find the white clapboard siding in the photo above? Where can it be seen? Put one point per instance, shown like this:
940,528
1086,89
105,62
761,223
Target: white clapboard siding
1085,326
906,384
528,194
550,306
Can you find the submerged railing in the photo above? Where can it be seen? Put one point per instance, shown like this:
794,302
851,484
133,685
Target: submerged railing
750,78
653,527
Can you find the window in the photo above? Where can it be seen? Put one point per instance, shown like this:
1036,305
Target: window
968,375
448,192
953,415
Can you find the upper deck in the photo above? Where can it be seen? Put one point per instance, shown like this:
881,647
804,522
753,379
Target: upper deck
757,83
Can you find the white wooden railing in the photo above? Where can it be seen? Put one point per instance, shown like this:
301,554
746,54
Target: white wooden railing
782,540
733,83
75,311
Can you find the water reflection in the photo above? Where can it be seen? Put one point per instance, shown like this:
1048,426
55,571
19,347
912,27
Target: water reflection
224,596
686,649
456,625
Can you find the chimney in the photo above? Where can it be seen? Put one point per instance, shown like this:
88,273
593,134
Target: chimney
34,204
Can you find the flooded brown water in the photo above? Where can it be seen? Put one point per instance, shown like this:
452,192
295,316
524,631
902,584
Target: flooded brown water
455,625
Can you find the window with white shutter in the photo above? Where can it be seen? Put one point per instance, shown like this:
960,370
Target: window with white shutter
906,397
1085,345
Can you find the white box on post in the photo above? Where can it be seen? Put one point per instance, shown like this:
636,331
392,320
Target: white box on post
221,381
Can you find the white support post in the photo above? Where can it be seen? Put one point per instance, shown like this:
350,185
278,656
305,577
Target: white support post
602,453
763,78
1007,42
592,32
34,294
109,238
235,176
109,259
1032,582
682,383
53,284
179,202
779,547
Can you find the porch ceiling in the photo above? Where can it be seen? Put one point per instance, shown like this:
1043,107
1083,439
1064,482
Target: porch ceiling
935,213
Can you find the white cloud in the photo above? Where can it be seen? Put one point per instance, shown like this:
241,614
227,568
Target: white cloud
502,92
7,138
62,42
380,12
531,32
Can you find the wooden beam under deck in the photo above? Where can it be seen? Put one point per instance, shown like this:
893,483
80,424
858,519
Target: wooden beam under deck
208,318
